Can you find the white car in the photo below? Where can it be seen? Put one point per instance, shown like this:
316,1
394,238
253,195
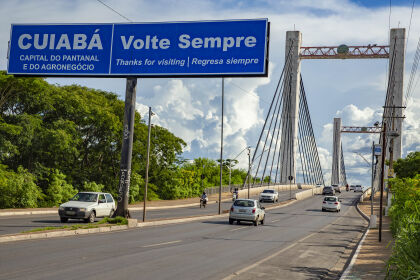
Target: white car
331,203
358,188
269,195
87,206
249,210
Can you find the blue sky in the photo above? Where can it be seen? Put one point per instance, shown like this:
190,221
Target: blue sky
190,108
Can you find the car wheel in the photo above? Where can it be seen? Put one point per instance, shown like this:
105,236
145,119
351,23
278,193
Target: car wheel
323,210
91,218
263,220
260,200
231,221
64,220
238,222
256,222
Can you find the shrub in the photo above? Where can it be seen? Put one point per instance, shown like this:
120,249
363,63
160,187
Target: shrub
59,190
404,262
18,190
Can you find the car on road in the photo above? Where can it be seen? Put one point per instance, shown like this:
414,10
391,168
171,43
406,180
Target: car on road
87,206
269,195
319,186
352,187
328,190
336,188
249,210
331,203
358,188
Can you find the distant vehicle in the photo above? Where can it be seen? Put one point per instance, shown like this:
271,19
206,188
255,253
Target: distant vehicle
336,188
328,190
352,187
87,206
319,186
269,195
249,210
331,203
358,188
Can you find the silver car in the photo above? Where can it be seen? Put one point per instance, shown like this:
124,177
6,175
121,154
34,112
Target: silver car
249,210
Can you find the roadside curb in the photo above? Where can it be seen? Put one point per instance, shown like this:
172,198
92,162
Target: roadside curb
63,233
355,253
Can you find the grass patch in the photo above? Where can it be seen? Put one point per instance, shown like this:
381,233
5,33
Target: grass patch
113,221
117,221
44,229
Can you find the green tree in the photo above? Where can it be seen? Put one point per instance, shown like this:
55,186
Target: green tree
408,167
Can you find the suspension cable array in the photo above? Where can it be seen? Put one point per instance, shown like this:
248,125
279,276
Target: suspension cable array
343,177
312,171
268,158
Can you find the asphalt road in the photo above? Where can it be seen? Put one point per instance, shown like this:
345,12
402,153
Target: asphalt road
210,249
17,224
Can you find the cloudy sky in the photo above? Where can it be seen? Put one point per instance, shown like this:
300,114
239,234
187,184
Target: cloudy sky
190,108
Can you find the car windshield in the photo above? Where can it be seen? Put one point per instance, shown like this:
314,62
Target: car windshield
331,199
268,191
359,186
244,203
85,197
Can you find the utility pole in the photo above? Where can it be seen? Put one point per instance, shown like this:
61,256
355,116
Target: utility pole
127,148
382,179
147,164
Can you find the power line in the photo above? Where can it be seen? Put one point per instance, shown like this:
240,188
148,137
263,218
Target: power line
109,7
409,27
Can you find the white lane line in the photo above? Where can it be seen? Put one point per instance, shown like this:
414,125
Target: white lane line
164,243
237,228
273,221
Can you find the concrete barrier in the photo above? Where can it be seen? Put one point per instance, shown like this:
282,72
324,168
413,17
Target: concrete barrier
279,188
365,194
308,193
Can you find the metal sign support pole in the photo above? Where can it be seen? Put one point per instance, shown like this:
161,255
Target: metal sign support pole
221,149
127,148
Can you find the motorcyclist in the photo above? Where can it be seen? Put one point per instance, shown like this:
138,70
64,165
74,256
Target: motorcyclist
236,193
347,187
203,200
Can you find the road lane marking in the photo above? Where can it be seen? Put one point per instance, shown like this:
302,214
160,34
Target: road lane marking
273,221
163,243
237,228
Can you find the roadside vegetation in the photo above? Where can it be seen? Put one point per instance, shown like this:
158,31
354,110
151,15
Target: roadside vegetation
58,140
117,221
404,262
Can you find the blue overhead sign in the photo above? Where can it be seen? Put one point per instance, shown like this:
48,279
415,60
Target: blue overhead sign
207,48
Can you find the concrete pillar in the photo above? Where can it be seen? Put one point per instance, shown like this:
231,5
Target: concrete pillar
290,113
397,45
336,160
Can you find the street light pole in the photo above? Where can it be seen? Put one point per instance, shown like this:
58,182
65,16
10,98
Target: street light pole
221,148
249,168
147,164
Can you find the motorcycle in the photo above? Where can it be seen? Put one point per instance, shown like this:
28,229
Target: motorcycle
203,202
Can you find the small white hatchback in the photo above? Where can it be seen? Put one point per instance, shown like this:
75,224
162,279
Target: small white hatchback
87,206
331,203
